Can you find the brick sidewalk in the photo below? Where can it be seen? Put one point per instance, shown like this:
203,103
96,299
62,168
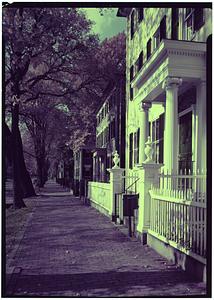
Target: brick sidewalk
69,249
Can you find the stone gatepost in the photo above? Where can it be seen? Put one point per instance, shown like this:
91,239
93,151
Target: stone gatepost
148,175
116,182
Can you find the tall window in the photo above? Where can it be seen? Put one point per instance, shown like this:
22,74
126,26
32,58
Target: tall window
160,33
163,28
149,48
175,23
157,138
140,14
132,23
194,20
198,18
131,151
139,62
136,146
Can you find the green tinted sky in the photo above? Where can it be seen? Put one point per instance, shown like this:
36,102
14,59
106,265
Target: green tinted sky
107,25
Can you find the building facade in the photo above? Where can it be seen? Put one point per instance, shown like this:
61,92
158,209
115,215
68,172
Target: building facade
110,132
166,128
83,169
166,86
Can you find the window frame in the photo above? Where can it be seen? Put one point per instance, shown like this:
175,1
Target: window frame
191,16
157,137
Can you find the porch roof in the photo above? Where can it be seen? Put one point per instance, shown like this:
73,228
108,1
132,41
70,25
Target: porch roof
183,59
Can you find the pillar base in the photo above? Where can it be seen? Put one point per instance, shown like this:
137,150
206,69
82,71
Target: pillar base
142,237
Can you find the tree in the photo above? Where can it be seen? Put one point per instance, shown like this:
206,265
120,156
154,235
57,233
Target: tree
43,51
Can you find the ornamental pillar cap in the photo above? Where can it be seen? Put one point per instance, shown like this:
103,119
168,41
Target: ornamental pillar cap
171,82
144,106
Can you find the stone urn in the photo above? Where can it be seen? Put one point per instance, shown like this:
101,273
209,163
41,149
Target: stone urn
149,151
116,160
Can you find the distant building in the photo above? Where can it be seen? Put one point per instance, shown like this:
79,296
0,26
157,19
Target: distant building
83,169
110,132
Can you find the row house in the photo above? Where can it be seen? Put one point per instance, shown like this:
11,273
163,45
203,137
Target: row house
166,85
83,169
110,132
166,127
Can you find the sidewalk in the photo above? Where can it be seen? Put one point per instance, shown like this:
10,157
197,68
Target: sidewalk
70,249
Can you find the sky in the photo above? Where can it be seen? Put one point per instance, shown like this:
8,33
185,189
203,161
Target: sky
107,25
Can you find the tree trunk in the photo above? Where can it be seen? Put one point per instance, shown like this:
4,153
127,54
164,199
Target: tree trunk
26,183
25,180
41,171
17,189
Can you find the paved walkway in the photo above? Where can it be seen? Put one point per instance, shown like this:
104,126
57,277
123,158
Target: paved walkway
70,249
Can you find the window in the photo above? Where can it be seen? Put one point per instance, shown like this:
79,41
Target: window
132,23
140,14
194,20
163,28
131,151
157,128
131,93
160,33
139,62
136,146
175,23
185,142
148,48
198,18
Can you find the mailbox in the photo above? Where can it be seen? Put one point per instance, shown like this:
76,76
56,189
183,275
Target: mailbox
130,202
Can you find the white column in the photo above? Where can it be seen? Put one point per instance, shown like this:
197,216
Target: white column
116,182
201,126
144,128
171,125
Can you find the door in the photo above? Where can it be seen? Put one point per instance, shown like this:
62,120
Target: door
185,143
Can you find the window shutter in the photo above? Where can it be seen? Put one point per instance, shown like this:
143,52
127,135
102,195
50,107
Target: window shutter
138,144
132,24
131,73
131,150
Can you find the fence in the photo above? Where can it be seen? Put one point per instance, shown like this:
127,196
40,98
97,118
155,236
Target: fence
99,193
178,212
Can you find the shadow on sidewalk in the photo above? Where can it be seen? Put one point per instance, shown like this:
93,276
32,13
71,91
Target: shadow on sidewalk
113,283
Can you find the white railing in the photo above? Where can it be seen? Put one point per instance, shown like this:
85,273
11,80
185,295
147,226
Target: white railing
178,213
99,193
130,182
